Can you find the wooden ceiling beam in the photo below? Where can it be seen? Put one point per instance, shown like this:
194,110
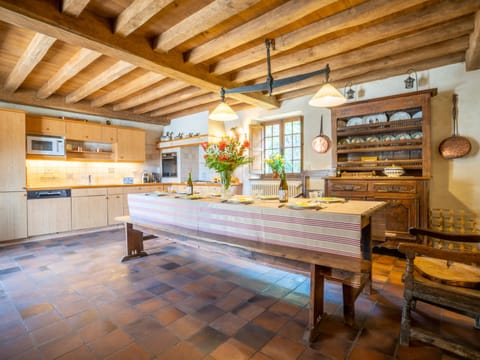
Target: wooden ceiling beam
129,88
137,14
359,15
386,73
94,33
410,43
472,57
194,101
108,76
431,16
173,98
74,7
204,19
273,20
33,54
205,107
28,97
407,59
79,61
166,87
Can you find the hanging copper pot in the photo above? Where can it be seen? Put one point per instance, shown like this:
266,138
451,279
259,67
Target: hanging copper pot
454,146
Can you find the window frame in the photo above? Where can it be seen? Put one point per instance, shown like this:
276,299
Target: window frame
258,145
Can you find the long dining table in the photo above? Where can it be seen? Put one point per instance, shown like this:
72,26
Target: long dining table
333,240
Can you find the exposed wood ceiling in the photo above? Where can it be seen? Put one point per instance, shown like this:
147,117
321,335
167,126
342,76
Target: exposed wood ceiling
155,60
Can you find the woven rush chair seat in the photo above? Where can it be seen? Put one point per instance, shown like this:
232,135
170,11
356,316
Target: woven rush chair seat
442,269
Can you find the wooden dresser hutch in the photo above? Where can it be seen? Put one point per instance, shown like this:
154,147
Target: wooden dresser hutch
369,136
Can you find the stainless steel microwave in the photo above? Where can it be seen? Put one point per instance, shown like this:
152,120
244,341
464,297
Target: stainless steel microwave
45,145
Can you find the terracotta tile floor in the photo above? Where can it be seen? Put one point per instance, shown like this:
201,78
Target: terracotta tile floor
72,298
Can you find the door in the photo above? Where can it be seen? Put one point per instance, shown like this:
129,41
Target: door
130,145
89,211
400,215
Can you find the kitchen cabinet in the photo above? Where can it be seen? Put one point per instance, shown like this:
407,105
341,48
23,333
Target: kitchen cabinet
83,131
13,197
89,208
109,134
407,201
114,204
47,216
367,137
370,135
43,125
130,145
13,222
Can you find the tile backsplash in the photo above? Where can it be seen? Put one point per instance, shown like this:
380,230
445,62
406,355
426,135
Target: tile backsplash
63,173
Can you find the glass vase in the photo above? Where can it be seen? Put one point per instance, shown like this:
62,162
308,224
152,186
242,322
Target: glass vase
225,178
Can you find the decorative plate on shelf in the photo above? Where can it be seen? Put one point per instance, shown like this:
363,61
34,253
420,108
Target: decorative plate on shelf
388,137
375,118
355,121
417,115
417,135
401,115
403,136
343,141
372,139
357,140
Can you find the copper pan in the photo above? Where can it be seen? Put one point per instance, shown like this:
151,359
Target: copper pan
454,146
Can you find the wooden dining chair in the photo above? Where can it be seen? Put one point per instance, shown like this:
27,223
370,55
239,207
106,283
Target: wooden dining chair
442,269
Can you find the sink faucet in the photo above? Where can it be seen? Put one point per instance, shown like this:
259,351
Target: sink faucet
89,179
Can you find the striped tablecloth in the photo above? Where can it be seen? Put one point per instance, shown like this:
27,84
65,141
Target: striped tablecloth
335,229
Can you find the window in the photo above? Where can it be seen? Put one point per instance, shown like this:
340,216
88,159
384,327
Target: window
277,137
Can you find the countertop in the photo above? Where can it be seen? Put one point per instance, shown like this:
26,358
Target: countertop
28,188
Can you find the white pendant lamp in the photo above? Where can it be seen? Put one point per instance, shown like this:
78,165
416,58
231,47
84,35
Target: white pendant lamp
223,112
327,96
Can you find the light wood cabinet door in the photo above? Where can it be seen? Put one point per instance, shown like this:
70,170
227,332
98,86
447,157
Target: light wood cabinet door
77,130
13,219
43,125
115,207
89,212
12,150
47,216
130,145
109,134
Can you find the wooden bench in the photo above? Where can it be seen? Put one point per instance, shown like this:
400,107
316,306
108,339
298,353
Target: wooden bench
353,273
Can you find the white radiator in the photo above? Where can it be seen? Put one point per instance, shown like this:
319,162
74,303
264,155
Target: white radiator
271,187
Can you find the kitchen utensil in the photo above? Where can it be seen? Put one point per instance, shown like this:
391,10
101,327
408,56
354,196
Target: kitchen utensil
454,146
321,143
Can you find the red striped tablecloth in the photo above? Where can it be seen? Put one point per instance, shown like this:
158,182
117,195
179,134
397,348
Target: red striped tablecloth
335,229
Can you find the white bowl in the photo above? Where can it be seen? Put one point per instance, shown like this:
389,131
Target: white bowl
393,171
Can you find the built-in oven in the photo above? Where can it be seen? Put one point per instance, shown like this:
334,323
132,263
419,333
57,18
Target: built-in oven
170,164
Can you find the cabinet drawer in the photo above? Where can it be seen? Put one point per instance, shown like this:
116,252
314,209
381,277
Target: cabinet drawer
115,191
89,192
405,187
347,186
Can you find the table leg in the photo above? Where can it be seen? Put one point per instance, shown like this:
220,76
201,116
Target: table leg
134,242
317,285
349,296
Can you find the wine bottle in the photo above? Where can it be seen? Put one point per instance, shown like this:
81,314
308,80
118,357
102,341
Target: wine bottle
189,188
283,188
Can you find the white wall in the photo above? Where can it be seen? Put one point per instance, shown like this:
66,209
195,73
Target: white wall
455,183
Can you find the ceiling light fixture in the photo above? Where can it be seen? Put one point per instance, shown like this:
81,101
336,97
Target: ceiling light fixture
327,96
410,81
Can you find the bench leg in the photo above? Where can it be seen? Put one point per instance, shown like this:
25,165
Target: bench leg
317,285
134,242
349,296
